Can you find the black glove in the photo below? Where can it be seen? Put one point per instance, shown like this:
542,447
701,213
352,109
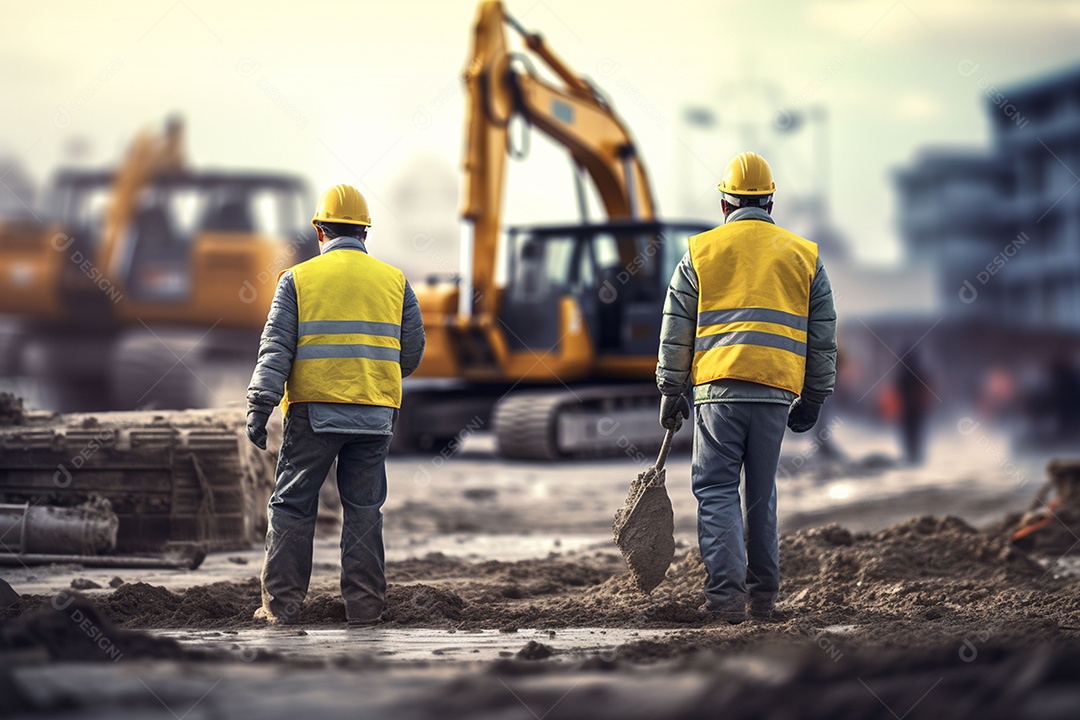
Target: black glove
256,427
803,415
673,409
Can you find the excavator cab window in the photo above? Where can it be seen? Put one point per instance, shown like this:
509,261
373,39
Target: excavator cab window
159,243
273,212
173,213
79,201
627,292
228,212
543,268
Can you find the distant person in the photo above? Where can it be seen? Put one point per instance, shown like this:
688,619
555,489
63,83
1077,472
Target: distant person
749,322
343,329
913,396
1064,399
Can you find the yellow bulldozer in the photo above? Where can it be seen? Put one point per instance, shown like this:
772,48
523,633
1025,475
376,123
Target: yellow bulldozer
147,286
559,357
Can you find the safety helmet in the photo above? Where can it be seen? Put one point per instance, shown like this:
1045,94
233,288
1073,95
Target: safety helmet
747,175
342,204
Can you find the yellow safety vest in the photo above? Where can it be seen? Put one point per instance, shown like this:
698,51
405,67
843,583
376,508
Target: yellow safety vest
349,344
753,301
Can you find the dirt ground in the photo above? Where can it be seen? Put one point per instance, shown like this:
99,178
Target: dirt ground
916,618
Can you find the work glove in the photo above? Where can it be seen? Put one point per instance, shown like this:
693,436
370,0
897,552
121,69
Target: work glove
256,427
803,415
673,409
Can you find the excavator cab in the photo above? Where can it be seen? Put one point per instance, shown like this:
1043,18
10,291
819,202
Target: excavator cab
77,200
616,272
129,271
42,253
179,219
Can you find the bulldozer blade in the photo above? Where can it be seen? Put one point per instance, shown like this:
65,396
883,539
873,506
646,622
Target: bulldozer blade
644,529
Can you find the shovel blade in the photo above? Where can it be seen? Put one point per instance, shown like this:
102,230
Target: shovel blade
645,530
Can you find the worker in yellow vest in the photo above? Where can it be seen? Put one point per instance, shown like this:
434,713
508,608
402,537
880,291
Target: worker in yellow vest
343,330
749,323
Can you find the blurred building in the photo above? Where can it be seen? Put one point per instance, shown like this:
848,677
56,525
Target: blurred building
1001,225
999,228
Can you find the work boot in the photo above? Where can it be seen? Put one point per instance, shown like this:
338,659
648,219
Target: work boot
762,609
358,622
733,613
268,617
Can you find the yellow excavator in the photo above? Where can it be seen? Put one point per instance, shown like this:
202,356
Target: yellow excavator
147,286
559,357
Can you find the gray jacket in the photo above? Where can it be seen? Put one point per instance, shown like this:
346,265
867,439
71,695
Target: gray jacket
278,346
679,329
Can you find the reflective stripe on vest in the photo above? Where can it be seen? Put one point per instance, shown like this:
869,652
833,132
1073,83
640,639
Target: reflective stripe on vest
753,301
349,333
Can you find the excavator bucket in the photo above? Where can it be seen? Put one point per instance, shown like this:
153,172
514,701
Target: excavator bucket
644,527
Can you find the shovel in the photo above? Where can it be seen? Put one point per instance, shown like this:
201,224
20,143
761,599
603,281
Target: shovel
644,526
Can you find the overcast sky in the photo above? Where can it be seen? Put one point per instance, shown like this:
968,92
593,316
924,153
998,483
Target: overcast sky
370,92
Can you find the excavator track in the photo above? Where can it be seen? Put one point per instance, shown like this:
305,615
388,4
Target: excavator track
580,422
174,477
524,425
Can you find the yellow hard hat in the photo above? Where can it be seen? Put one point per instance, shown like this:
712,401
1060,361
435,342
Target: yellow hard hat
342,204
748,174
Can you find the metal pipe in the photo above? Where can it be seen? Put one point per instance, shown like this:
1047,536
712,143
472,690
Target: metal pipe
181,562
49,529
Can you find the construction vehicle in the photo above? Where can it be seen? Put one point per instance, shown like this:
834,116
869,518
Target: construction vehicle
560,356
147,286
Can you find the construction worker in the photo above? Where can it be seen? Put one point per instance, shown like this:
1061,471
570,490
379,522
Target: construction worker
749,322
343,329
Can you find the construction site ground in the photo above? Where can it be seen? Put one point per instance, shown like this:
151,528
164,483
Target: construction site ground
901,595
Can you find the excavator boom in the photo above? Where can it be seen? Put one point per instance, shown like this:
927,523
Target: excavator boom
150,154
501,85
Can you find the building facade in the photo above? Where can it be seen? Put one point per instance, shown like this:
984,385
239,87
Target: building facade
1001,226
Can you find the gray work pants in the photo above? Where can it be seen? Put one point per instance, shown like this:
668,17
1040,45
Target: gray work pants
730,437
304,461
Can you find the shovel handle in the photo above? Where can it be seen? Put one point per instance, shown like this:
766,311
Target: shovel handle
665,448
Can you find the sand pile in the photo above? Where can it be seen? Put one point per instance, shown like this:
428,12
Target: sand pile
217,605
73,628
830,567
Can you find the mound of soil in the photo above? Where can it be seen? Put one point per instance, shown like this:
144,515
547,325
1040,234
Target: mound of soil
73,628
421,605
913,584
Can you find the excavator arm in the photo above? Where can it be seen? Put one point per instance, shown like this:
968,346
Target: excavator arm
501,84
150,154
